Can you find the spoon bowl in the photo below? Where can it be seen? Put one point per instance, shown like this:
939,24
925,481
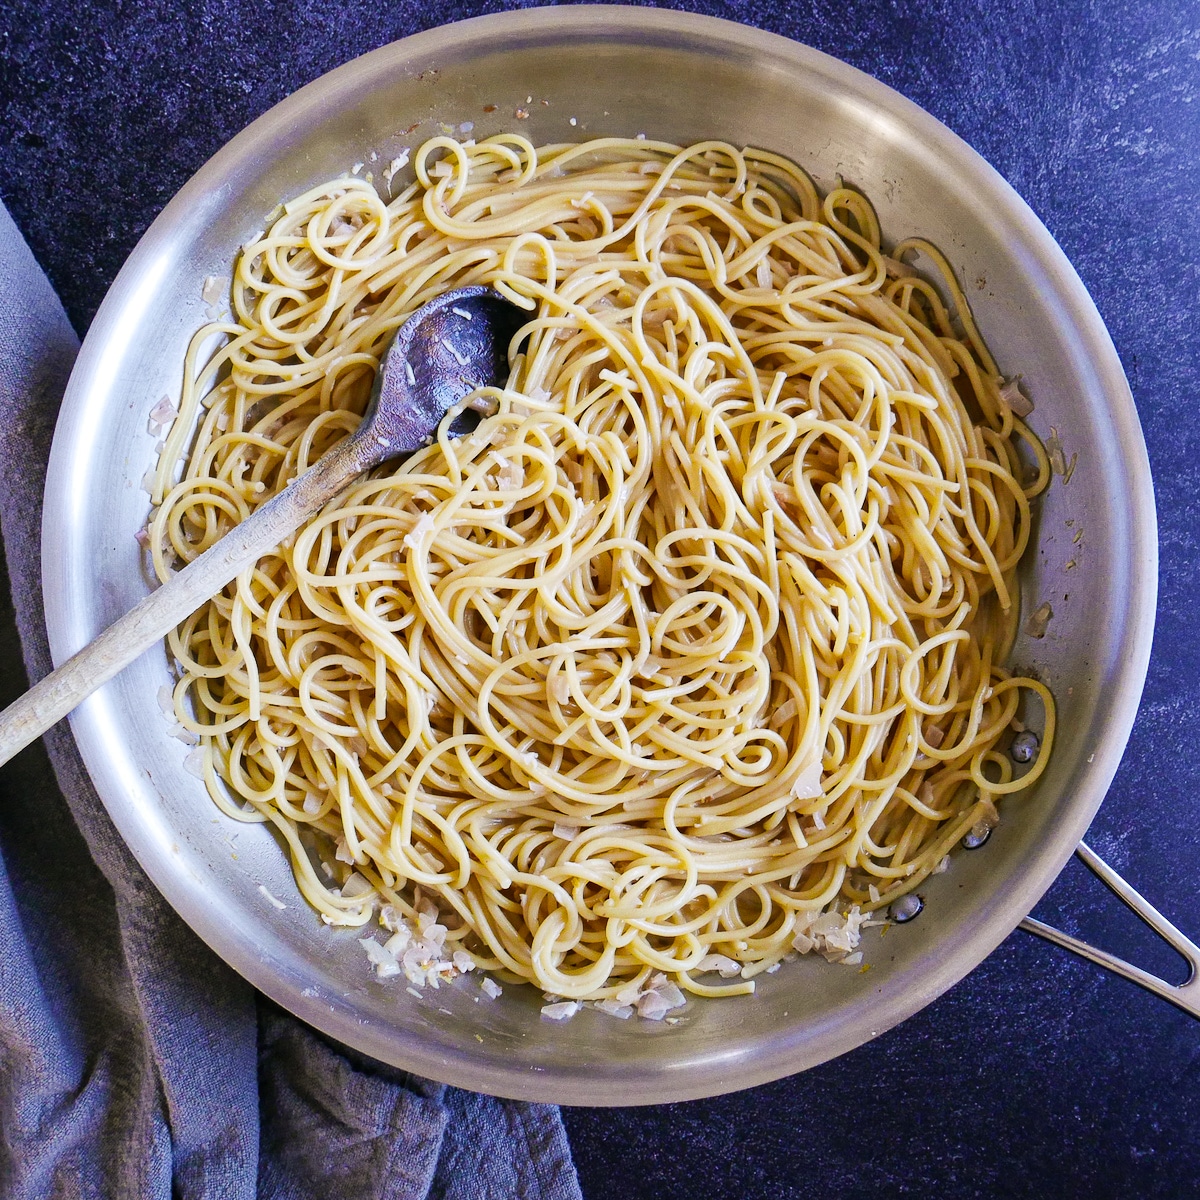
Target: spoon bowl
453,346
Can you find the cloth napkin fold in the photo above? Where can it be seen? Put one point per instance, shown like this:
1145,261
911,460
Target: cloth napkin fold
133,1062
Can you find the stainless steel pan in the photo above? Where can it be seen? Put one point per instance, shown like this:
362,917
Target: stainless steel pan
577,72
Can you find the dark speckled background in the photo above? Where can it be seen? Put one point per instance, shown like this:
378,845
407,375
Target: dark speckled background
1039,1075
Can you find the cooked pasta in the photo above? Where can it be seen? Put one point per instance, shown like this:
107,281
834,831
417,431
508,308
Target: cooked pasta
699,635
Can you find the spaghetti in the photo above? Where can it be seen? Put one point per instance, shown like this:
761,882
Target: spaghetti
698,636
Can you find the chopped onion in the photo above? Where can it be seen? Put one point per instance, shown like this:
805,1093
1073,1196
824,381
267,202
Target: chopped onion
808,783
1039,619
614,1008
384,961
725,966
561,1011
1011,394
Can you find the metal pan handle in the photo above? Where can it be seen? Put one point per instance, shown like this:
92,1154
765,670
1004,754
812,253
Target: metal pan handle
1184,995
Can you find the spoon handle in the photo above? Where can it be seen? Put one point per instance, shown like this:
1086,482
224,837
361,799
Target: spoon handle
152,618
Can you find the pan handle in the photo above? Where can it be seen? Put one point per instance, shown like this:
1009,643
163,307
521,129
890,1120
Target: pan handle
1184,995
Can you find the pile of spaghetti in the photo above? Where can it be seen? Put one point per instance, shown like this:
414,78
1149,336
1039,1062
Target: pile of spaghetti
697,637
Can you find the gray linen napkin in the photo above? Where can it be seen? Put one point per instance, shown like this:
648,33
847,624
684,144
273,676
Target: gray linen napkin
133,1062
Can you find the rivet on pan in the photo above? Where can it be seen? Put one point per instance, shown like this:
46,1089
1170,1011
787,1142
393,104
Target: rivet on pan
1024,747
977,836
906,908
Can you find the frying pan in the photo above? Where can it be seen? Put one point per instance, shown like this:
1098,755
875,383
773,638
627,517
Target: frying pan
562,74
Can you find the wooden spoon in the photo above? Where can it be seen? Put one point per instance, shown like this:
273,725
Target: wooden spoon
444,351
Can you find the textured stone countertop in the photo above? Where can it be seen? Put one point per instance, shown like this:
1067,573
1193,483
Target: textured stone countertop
1039,1074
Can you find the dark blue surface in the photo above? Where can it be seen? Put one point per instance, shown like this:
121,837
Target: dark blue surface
1039,1075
